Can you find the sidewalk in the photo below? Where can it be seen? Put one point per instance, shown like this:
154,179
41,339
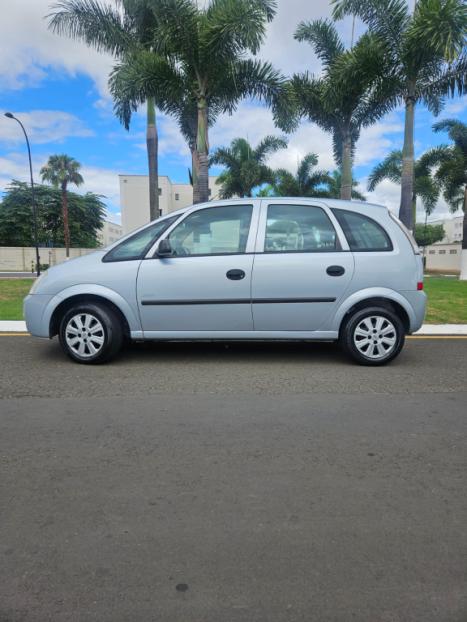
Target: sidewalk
13,326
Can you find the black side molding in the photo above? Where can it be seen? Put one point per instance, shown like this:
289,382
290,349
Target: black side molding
235,301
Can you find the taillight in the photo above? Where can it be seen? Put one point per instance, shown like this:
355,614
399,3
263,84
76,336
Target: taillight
420,286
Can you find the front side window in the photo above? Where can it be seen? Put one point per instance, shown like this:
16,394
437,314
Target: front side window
138,244
362,233
299,228
213,231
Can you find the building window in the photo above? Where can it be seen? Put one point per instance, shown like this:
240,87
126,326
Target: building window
177,196
160,191
442,252
453,251
209,192
431,252
160,212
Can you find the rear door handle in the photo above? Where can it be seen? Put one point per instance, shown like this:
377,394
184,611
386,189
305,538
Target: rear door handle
335,270
235,275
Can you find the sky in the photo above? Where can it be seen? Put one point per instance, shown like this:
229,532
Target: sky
58,88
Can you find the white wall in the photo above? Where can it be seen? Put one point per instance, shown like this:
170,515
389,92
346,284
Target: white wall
23,258
441,257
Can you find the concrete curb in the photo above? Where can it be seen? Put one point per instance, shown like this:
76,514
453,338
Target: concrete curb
14,326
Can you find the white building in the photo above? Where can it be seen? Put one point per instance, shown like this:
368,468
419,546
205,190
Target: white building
110,233
452,229
134,198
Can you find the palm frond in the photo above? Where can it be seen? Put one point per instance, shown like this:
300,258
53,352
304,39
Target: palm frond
439,26
232,26
269,144
98,25
390,168
323,36
386,18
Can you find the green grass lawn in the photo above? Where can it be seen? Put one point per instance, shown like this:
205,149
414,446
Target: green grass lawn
447,299
12,292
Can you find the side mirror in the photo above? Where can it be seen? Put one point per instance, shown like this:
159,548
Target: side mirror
164,249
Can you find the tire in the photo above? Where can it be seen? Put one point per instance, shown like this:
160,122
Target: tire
90,333
362,340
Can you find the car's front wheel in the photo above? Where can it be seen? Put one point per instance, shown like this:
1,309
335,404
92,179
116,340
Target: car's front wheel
373,336
90,333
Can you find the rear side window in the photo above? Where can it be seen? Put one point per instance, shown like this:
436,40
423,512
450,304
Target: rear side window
298,229
362,233
138,245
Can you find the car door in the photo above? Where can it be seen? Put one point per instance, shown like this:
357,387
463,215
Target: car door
206,284
302,267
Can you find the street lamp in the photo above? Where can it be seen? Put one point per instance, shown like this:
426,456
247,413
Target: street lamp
34,212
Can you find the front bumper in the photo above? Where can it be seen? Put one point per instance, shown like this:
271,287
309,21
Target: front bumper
34,307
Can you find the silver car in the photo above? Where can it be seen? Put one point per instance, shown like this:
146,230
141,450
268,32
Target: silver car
290,269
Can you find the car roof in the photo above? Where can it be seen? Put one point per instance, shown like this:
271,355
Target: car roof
337,203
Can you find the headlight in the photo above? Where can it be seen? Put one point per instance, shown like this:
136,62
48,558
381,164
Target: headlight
35,285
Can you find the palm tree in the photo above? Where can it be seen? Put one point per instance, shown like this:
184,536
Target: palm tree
450,164
60,171
334,185
307,182
120,31
424,186
245,166
425,54
350,94
210,73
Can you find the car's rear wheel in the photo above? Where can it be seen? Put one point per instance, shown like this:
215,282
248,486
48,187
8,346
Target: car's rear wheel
90,333
373,336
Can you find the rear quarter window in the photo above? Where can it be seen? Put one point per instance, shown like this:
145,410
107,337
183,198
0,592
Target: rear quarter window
362,232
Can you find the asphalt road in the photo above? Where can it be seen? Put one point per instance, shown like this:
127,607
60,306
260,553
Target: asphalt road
218,483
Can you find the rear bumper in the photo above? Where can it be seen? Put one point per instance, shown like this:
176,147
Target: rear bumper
417,300
34,307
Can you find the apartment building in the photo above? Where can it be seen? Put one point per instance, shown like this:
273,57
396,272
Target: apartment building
134,198
452,229
110,233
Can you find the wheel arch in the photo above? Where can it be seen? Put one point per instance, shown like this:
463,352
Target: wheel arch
59,306
390,300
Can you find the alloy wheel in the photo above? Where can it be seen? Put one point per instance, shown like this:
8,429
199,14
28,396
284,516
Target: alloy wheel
375,337
84,335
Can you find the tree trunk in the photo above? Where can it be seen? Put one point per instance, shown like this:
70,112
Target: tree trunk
202,149
405,210
463,275
195,175
152,146
66,227
346,175
414,209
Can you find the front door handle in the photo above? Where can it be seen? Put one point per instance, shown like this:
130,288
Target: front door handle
335,270
235,275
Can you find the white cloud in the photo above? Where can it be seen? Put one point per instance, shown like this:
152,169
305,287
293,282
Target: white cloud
28,48
43,126
455,108
280,47
376,141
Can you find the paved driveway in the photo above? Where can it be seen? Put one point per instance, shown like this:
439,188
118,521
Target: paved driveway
214,483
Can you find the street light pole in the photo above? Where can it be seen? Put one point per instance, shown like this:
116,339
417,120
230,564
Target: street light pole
34,211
